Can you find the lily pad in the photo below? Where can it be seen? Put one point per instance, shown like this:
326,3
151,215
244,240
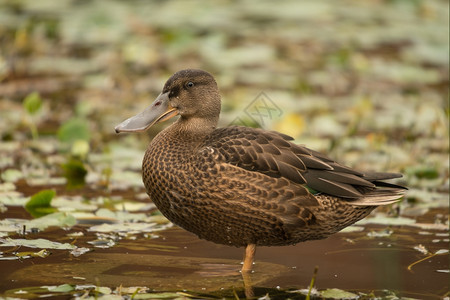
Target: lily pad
121,215
43,254
63,288
39,204
69,204
75,173
37,243
73,130
338,294
384,220
32,103
58,219
352,228
11,175
129,227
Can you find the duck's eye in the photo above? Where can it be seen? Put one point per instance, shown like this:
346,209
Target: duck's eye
189,84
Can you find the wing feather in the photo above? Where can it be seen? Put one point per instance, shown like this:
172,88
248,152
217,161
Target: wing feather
273,154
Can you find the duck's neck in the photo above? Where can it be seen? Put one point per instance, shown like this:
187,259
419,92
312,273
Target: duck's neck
193,129
186,134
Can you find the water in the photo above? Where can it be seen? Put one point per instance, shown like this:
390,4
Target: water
176,260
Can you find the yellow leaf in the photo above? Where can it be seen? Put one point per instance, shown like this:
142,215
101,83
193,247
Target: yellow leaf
292,124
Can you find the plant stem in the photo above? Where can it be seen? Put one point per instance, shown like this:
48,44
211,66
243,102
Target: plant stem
313,281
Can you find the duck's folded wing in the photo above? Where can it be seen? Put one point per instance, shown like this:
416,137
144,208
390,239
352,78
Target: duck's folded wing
261,151
273,154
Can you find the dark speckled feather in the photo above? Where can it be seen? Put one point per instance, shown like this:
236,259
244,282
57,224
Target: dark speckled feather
241,186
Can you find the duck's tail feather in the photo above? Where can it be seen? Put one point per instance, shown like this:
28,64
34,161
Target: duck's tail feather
384,194
374,176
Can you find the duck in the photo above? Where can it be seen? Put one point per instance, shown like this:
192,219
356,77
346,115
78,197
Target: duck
242,186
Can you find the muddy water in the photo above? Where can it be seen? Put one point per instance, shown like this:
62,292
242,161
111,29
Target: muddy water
176,260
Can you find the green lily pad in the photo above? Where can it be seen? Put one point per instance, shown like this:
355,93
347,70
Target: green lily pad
73,130
39,204
103,290
338,294
75,173
425,172
63,288
32,103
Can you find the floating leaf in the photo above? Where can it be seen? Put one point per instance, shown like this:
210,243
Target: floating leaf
442,251
73,130
384,220
42,198
426,172
79,251
443,271
32,103
37,243
162,295
338,294
43,254
421,248
129,227
73,204
80,148
39,204
63,288
381,233
352,228
11,175
103,290
75,173
58,219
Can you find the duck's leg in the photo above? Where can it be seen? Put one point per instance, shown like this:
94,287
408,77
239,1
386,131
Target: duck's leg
248,285
249,258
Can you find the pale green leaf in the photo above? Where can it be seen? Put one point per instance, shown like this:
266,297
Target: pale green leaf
338,294
63,288
73,130
32,103
39,204
37,243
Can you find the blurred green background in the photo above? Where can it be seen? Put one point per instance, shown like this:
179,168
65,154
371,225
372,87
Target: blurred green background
366,81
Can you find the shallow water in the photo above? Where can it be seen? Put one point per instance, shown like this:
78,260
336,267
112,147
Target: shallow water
176,260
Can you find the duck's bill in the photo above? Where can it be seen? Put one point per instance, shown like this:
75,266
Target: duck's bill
160,110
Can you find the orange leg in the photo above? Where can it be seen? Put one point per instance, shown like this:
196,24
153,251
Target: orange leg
249,258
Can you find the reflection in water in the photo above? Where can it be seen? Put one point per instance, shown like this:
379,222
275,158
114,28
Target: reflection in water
218,270
248,285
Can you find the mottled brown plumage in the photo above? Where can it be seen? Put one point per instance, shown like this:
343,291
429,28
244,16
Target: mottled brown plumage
244,186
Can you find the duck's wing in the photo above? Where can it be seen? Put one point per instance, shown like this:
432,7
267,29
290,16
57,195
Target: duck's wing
273,154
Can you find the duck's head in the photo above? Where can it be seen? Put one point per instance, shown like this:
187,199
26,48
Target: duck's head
192,94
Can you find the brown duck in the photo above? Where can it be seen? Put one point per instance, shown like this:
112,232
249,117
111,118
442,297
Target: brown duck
243,186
